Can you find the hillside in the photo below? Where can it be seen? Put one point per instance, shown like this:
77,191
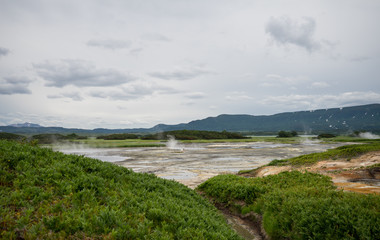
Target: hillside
50,195
365,117
337,120
299,198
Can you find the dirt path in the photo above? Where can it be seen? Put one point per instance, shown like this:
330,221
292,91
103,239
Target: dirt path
347,174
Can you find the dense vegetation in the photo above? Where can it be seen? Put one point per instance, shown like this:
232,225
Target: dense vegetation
194,135
348,151
285,134
297,205
11,136
50,195
326,135
118,136
49,138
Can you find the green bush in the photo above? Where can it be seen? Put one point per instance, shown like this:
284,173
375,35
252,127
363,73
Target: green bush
326,135
298,205
50,195
284,134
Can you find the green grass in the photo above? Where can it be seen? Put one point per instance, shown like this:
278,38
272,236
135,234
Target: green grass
101,143
348,151
50,195
350,139
297,205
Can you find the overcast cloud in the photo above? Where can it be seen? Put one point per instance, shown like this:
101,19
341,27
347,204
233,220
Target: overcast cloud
127,63
14,85
3,51
79,73
285,30
109,44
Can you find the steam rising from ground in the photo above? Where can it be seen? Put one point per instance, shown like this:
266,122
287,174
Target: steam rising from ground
369,135
173,144
308,141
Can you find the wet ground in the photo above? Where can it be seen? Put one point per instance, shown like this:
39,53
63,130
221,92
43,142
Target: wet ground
192,164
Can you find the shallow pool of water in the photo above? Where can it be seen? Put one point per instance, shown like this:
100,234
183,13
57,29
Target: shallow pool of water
191,164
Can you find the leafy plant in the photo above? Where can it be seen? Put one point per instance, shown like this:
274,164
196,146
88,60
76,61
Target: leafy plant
50,195
297,205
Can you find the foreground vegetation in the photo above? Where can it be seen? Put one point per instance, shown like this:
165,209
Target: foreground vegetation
50,195
296,205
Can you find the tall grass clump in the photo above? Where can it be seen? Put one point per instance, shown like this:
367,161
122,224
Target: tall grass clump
297,205
50,195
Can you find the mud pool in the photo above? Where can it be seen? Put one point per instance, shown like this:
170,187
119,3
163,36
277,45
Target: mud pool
192,164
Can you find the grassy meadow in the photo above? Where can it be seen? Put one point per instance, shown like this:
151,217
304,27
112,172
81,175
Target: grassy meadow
50,195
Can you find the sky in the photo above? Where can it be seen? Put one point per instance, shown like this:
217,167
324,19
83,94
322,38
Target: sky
137,63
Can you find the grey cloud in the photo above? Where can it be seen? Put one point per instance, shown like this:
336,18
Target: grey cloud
14,85
79,73
180,74
155,37
4,51
195,95
109,44
322,101
75,96
133,91
274,80
136,51
360,58
288,31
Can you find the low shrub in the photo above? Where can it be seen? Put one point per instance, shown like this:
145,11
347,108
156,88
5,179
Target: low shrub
297,205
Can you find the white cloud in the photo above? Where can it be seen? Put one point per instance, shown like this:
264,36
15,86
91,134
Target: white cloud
285,30
272,80
180,74
320,85
238,96
79,73
298,101
109,44
195,95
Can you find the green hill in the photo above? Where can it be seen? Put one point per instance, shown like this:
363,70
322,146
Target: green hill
50,195
333,120
365,117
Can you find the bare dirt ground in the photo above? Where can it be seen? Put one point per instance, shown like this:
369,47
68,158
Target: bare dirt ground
347,174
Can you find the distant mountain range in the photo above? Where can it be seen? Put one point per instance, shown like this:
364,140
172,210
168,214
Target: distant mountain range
18,125
337,120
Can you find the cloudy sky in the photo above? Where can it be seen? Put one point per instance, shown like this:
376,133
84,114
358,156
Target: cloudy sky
134,63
